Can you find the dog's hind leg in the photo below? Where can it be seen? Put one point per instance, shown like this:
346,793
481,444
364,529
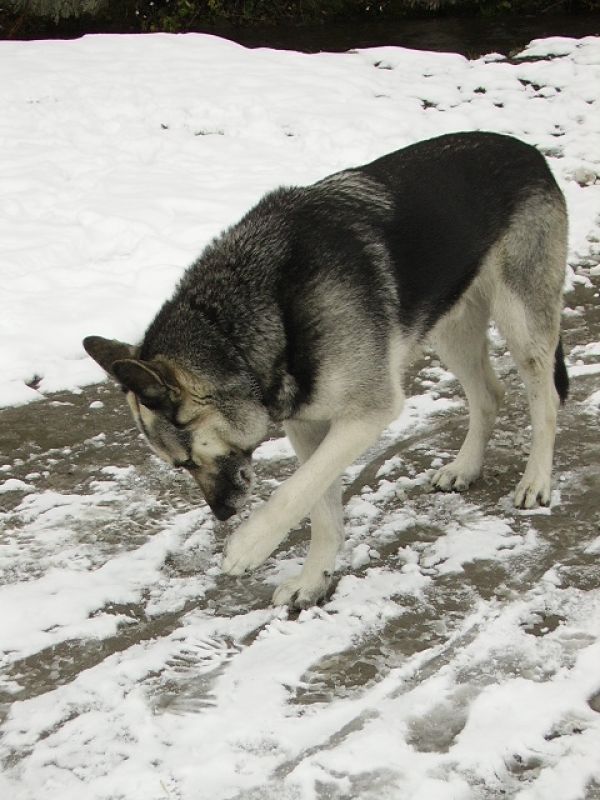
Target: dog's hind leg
327,527
533,343
460,340
527,305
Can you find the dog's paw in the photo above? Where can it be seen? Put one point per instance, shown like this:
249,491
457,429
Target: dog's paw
243,556
300,592
453,478
533,491
247,549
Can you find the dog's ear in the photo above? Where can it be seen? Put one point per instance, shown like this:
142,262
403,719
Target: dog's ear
106,351
150,382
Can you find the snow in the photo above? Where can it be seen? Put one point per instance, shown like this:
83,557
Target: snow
131,667
122,156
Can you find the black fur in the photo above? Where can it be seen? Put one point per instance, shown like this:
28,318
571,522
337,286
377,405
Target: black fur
561,376
453,198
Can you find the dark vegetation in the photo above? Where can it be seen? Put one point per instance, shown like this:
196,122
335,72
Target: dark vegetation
23,19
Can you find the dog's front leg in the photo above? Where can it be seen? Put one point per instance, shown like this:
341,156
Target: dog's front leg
326,538
327,527
255,539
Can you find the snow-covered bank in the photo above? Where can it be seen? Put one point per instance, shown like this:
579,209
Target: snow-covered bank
121,156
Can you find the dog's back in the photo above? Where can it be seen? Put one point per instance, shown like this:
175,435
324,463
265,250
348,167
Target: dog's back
449,200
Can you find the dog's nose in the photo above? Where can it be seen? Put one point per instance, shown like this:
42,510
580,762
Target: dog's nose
222,511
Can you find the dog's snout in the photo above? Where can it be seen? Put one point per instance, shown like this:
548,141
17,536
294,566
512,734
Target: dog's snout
222,511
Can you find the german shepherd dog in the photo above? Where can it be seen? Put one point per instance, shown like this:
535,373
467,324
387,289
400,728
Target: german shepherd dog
308,311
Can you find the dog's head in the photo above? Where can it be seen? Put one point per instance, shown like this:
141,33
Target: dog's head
208,430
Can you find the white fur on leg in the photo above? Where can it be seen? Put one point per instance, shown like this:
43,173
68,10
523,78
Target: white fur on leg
456,476
303,591
327,534
252,543
536,484
466,467
532,342
327,527
256,539
533,489
461,341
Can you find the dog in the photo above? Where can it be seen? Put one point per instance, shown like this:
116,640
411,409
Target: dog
309,310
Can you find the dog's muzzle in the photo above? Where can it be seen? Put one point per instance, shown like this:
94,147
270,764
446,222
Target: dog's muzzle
222,511
232,485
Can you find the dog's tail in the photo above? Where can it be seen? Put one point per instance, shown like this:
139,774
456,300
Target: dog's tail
561,376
